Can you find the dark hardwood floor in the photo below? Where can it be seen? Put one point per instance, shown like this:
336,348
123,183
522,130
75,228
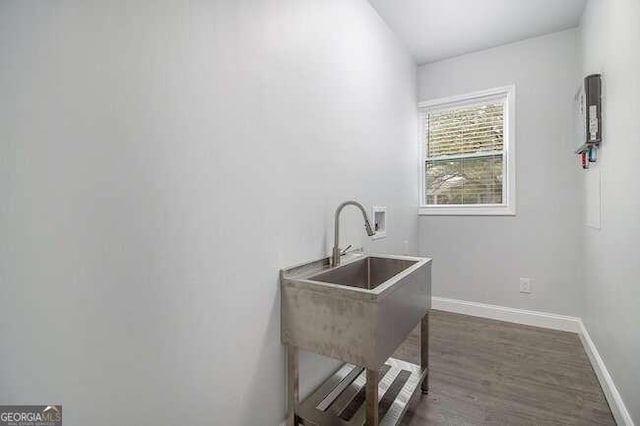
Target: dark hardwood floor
486,372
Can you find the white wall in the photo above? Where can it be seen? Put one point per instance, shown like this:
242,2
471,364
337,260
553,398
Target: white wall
610,40
160,161
480,258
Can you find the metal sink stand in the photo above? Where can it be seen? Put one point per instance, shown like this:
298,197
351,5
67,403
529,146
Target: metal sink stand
336,402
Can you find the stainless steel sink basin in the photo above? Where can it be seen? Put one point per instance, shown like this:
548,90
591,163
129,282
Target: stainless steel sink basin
368,272
358,312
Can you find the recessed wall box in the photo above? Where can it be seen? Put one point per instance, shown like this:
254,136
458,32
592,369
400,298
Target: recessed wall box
379,215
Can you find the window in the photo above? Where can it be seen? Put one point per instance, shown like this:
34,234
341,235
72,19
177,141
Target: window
468,157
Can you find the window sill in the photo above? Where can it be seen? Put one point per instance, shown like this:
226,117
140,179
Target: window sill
467,211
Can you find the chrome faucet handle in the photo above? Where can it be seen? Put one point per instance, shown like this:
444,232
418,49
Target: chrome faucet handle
345,250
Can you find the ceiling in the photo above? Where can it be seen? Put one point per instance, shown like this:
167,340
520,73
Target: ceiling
439,29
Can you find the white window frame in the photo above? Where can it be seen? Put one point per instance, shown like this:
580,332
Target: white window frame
508,207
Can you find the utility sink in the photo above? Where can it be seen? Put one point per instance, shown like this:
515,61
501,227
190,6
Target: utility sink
358,312
366,273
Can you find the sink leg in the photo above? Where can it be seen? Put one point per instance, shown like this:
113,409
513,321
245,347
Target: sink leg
424,351
372,397
293,394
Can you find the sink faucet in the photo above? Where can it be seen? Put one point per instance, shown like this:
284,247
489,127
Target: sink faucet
336,242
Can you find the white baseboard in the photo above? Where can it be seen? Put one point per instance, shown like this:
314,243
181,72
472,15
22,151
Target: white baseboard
552,321
618,408
502,313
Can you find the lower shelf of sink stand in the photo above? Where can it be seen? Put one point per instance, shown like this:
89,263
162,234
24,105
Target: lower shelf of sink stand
340,400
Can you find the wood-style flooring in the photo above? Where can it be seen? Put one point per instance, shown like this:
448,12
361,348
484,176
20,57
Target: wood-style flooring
486,372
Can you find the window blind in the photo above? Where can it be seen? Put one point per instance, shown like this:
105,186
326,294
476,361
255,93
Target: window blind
465,155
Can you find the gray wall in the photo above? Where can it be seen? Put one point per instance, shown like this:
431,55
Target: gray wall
610,37
159,162
480,258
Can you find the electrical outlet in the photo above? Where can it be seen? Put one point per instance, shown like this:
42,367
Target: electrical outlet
525,285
